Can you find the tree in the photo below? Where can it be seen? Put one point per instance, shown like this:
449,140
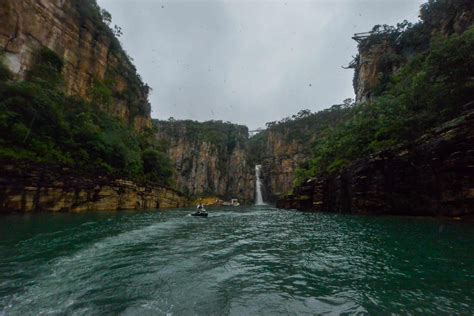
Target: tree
156,166
303,113
106,16
347,103
118,31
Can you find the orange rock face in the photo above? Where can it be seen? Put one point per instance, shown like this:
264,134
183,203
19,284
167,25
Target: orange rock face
204,169
370,69
32,189
282,156
86,49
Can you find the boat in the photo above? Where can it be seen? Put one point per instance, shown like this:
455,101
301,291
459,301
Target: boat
201,211
233,202
200,214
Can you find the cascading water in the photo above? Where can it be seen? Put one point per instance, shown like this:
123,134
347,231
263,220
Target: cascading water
258,186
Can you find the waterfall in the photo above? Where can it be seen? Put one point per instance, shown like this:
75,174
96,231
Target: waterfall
258,186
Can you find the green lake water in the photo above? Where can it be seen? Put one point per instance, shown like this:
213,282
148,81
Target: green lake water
239,261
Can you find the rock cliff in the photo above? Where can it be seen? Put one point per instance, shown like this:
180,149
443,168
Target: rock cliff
280,153
286,145
218,159
74,30
210,158
369,68
433,176
33,189
383,51
94,67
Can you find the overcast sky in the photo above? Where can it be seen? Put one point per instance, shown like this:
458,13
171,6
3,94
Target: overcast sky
248,62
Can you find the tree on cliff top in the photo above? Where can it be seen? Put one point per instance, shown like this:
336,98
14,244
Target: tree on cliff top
224,135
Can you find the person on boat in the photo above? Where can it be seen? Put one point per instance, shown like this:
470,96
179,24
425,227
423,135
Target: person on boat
200,208
201,211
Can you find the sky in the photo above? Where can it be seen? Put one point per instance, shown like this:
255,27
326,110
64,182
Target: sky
248,62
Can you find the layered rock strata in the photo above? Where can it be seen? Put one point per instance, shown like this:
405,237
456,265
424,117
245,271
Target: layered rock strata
282,154
204,167
60,190
89,50
434,177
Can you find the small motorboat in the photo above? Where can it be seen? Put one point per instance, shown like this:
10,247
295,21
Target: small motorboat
200,213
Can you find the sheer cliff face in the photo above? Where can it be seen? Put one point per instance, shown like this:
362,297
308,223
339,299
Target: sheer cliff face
205,166
369,69
433,176
88,52
281,156
225,167
444,18
288,144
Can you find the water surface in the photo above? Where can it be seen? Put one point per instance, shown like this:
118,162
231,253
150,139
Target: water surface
239,261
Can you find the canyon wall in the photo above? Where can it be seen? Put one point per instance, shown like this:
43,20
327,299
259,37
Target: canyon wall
203,169
74,30
382,53
218,159
280,153
39,188
210,158
369,69
97,69
433,176
288,144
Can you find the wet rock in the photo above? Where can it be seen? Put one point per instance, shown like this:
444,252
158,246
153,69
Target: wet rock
203,168
35,188
433,176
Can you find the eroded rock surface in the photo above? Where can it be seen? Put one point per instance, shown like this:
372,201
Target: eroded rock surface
90,53
204,167
282,154
33,189
433,176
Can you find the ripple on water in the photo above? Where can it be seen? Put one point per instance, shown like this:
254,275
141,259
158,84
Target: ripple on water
236,262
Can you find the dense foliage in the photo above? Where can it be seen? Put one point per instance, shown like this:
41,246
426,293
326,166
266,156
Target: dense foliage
429,89
40,124
303,128
225,136
305,123
408,39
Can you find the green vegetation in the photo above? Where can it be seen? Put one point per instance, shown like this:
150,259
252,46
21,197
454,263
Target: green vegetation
429,89
305,123
407,39
303,128
156,165
40,124
223,135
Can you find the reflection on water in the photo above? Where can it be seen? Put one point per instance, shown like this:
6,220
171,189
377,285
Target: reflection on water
238,261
